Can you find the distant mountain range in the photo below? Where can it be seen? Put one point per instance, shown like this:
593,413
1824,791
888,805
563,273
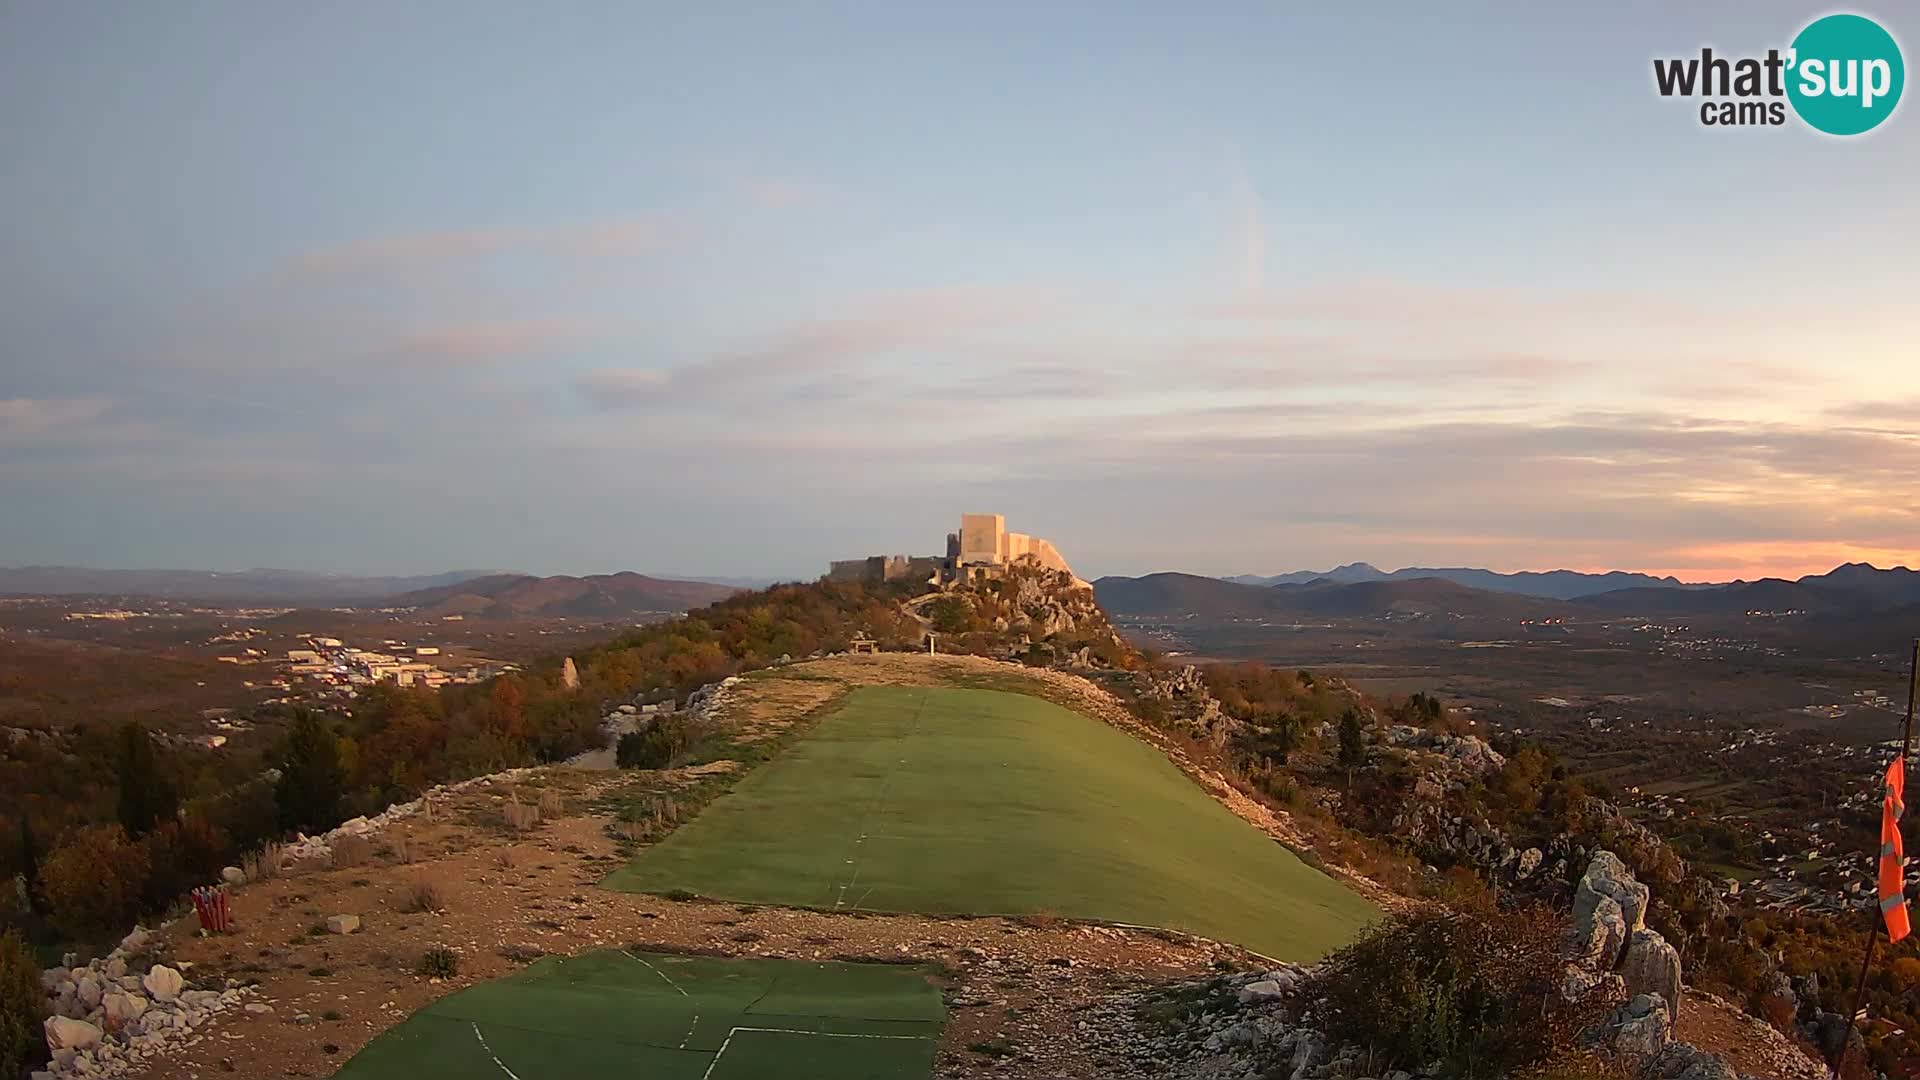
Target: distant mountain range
259,586
1556,584
1856,588
456,592
1189,594
597,595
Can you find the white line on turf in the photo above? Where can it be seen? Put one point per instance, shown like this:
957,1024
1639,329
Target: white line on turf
876,809
656,971
689,1036
724,1043
491,1054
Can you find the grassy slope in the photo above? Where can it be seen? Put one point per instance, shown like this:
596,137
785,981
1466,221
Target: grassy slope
983,802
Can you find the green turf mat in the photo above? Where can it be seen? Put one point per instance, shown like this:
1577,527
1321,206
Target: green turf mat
966,801
755,1055
665,1017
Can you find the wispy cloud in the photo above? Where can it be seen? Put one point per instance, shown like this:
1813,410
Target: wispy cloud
394,252
930,320
28,420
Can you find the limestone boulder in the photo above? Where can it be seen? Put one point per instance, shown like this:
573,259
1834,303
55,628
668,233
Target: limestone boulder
1600,932
1607,876
1652,966
1260,992
1641,1029
163,983
1528,862
122,1008
66,1033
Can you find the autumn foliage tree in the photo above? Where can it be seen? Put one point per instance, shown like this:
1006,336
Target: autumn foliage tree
93,881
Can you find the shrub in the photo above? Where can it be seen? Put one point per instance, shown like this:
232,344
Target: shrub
351,851
551,805
1477,992
182,854
438,963
664,740
520,815
22,1008
263,864
423,896
93,882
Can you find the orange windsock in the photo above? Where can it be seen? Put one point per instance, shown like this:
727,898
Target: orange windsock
1893,896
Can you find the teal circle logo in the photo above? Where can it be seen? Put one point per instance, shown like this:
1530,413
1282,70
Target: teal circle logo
1845,74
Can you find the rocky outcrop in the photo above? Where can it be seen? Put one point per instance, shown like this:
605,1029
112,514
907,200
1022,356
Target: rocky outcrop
1184,696
1609,906
1651,966
1233,1026
1469,754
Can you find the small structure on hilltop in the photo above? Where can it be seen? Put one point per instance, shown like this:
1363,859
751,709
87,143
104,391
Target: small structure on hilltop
863,644
982,549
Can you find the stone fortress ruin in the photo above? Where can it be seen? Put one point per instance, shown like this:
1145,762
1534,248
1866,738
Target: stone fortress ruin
983,548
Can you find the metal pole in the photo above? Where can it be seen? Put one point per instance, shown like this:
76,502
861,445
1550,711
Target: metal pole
1873,935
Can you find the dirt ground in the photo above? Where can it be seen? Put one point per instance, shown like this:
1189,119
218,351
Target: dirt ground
505,897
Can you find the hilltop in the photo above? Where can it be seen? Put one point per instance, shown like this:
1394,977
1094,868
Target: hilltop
597,595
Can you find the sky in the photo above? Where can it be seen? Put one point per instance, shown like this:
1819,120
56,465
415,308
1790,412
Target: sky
741,288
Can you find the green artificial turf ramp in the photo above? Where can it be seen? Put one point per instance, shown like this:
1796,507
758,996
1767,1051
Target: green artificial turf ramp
953,801
667,1017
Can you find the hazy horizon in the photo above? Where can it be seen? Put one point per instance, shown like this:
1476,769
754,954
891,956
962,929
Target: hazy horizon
738,290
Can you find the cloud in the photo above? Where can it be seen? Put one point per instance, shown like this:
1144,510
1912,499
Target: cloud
923,321
485,340
603,238
34,420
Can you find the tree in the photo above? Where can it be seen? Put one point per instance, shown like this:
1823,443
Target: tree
93,881
1353,743
23,1006
147,795
312,777
1353,740
30,863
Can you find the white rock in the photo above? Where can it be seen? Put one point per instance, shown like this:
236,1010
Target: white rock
1255,993
342,924
163,983
135,940
259,1008
87,989
233,875
66,1033
122,1008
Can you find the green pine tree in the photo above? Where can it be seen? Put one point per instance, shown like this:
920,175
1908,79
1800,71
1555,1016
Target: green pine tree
147,796
312,777
30,862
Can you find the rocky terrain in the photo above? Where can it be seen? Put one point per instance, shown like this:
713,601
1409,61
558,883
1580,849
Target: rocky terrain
500,870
